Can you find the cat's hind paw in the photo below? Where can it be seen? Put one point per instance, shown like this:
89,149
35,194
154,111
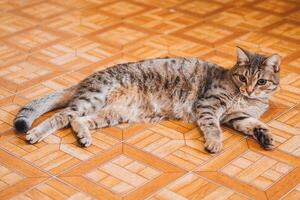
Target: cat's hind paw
33,136
213,146
85,141
264,137
82,133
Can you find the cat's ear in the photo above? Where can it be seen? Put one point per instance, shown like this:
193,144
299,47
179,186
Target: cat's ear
242,55
273,61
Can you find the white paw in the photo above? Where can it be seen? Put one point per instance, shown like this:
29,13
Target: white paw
213,146
82,133
85,141
33,136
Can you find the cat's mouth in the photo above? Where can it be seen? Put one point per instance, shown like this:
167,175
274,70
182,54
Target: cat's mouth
249,96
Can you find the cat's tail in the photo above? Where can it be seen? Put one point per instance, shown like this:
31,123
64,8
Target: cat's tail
36,108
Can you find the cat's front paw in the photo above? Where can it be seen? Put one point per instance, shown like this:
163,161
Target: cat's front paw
213,145
264,137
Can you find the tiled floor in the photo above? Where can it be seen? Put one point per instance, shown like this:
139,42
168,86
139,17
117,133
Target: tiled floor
48,45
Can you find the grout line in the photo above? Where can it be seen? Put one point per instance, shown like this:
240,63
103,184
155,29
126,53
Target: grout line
29,163
34,186
221,184
71,186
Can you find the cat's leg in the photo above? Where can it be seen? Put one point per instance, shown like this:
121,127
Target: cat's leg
57,121
209,124
212,133
81,129
251,126
87,100
82,126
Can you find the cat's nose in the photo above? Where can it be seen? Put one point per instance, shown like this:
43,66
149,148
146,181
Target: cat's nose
249,91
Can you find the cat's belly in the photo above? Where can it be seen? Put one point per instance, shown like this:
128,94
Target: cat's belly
134,108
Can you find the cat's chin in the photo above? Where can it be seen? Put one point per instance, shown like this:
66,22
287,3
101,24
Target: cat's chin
255,96
250,97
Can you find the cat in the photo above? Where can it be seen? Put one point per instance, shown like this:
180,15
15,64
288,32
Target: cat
158,89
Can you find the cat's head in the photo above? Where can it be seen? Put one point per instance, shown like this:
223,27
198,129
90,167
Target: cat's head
256,76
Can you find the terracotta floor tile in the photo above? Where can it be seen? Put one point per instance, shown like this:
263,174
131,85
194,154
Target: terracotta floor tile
280,7
192,186
81,22
13,23
10,54
207,8
53,189
293,194
163,20
245,18
130,8
42,10
50,45
122,172
120,35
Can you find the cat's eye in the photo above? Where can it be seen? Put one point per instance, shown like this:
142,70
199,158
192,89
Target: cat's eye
261,82
242,78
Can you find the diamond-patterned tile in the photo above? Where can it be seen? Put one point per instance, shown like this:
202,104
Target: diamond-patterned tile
121,172
5,95
245,18
120,35
52,188
293,194
43,10
279,7
17,176
26,73
285,28
208,34
261,42
10,54
129,8
161,4
257,170
202,8
9,177
34,39
192,186
57,153
7,5
81,22
286,129
253,171
288,96
75,53
163,20
11,23
184,148
79,3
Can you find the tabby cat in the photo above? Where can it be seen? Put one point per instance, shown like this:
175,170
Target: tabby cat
152,90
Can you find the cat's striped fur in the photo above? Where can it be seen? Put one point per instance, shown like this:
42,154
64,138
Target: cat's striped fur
165,88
